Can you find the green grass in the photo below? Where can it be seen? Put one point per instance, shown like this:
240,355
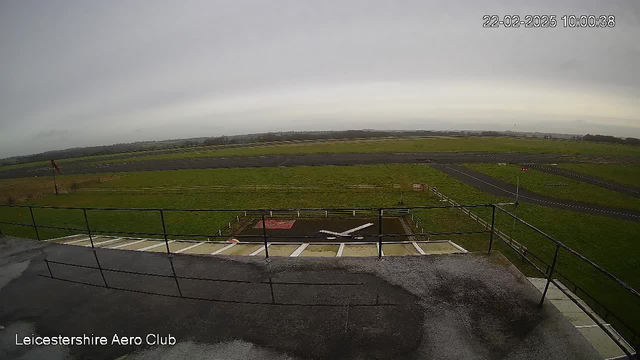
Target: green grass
62,161
537,181
470,144
609,242
624,174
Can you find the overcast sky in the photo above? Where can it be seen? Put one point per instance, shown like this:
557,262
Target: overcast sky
79,73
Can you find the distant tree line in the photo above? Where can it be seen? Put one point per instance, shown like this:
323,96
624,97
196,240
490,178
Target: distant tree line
611,139
165,145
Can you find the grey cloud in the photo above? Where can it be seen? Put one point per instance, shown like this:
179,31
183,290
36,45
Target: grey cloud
109,72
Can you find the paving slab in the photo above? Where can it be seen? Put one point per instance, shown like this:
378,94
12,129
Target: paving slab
282,250
430,248
360,250
399,250
241,249
206,248
116,242
601,342
140,245
321,250
174,246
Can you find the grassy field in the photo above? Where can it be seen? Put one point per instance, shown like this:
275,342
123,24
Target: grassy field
609,242
63,161
19,190
428,144
538,181
471,144
624,174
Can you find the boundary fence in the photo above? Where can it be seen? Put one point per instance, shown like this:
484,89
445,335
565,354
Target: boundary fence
548,272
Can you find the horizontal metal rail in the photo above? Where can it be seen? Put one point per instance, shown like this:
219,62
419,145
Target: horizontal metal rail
261,210
575,253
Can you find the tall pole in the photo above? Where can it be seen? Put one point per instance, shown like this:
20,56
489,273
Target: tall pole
493,227
264,235
516,209
379,233
55,184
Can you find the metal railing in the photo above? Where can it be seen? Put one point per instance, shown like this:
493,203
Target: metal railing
380,213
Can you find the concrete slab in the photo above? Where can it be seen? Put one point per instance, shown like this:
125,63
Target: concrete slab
79,242
173,247
69,238
282,250
566,306
399,249
431,248
206,248
242,249
579,319
112,242
139,245
360,250
601,342
321,251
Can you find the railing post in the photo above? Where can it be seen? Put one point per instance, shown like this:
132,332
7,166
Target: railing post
93,248
86,221
379,233
46,261
553,266
493,223
33,221
264,234
164,231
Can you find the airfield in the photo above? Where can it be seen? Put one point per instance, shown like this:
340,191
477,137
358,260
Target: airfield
582,195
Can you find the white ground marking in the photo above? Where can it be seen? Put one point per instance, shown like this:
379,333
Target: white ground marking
346,233
156,245
588,326
340,250
106,242
64,237
457,246
223,249
127,244
299,250
189,247
418,248
259,250
76,241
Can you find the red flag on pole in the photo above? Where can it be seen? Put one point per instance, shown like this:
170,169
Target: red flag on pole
55,166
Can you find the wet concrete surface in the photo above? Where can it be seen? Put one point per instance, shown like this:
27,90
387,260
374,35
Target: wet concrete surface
497,187
429,307
307,160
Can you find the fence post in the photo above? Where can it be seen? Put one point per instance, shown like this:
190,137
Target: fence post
493,223
33,221
264,234
86,221
164,231
553,266
379,233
